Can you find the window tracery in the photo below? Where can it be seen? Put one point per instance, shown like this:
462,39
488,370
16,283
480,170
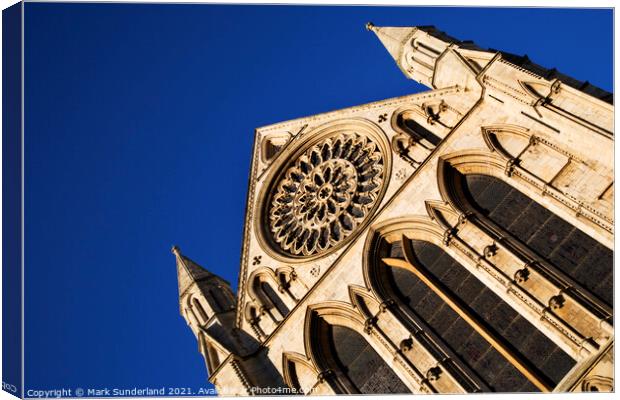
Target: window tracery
346,359
504,211
474,315
264,291
326,193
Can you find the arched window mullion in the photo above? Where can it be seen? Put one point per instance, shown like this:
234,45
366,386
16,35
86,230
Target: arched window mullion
523,365
547,269
345,358
337,372
465,202
264,290
330,371
442,323
468,378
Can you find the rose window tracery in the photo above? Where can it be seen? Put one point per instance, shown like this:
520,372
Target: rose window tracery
325,194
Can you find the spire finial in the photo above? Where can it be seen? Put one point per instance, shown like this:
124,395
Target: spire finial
176,250
370,26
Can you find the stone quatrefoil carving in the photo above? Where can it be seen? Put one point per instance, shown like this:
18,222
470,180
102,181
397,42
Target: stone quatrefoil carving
325,194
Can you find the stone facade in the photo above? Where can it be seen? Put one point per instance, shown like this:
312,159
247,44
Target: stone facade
456,240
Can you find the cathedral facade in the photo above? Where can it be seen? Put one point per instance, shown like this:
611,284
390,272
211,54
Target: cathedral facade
456,240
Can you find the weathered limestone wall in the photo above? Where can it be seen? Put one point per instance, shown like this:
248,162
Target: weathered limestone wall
485,115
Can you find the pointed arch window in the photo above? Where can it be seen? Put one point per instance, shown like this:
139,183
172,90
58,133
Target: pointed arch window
500,208
418,132
263,290
192,313
508,353
348,362
299,373
199,310
273,298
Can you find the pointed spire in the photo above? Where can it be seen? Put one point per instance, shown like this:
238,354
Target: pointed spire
415,49
392,38
188,271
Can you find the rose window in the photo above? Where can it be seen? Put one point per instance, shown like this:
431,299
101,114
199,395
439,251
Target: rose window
325,194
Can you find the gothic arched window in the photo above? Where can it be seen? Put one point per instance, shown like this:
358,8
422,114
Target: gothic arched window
368,372
574,253
418,132
274,298
199,311
519,358
349,362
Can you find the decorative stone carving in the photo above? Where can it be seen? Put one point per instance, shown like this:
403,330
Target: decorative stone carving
401,174
324,375
448,235
464,217
510,166
325,194
402,145
433,374
433,111
490,250
597,383
271,145
370,324
556,302
522,275
406,345
385,305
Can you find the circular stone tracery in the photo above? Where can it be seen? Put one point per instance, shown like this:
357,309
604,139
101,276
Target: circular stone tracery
325,194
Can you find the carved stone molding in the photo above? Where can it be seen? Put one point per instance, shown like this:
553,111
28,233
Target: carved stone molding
406,345
433,374
522,275
326,189
597,383
556,302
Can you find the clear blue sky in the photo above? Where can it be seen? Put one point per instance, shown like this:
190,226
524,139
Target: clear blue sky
139,124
